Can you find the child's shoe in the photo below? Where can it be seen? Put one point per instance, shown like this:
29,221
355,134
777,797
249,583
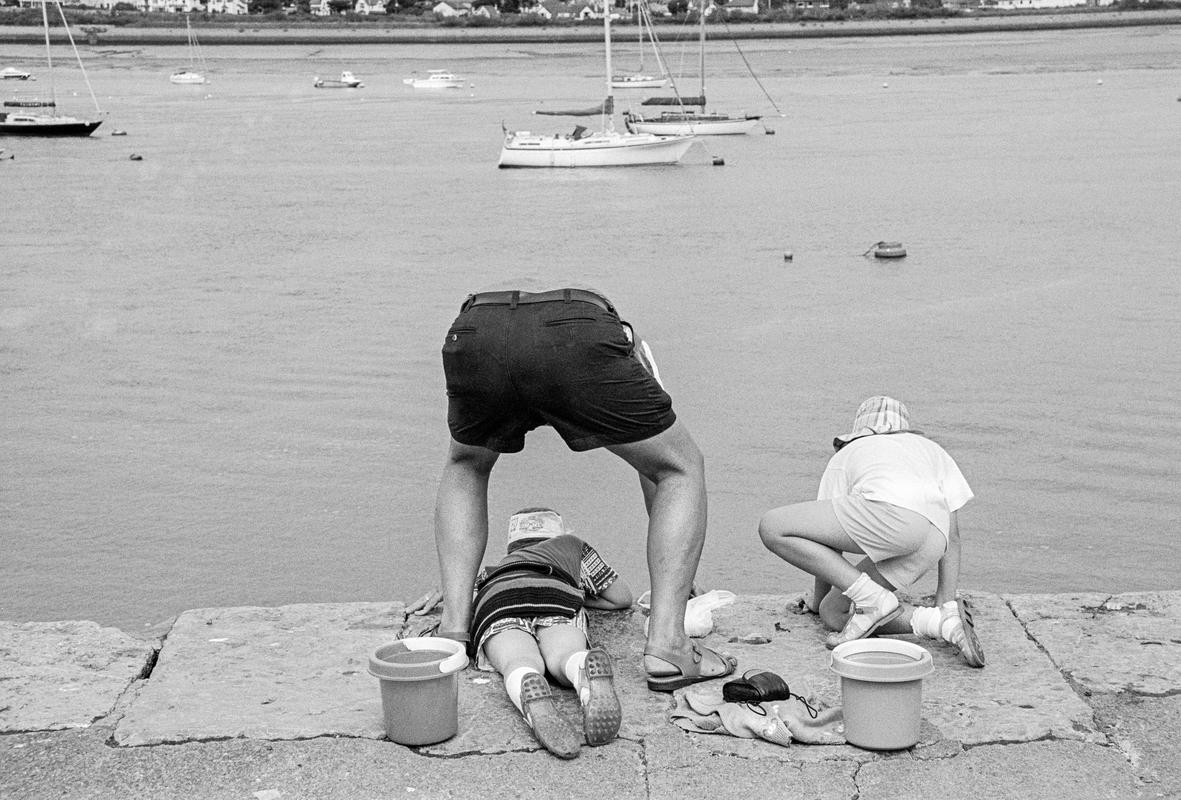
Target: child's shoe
873,606
550,728
601,713
958,629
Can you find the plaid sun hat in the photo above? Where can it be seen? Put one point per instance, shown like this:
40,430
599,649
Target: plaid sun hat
878,414
535,524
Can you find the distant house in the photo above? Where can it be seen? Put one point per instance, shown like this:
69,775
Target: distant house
166,6
487,11
555,9
320,8
444,10
233,7
367,7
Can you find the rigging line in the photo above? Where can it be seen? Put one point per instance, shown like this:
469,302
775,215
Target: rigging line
672,82
77,57
749,69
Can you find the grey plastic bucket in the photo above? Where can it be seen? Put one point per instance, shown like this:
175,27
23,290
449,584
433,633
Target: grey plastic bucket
419,680
881,691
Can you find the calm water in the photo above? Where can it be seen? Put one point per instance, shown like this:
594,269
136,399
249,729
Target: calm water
220,372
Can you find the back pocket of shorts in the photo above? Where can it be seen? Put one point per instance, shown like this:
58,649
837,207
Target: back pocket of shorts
552,323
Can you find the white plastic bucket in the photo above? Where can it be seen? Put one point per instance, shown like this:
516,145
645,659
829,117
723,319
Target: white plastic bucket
419,680
881,691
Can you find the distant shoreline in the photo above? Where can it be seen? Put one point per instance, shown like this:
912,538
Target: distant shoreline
277,33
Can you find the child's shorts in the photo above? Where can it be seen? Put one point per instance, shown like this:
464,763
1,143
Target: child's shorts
530,625
901,543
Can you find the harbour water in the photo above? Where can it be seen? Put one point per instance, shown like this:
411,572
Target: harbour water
219,365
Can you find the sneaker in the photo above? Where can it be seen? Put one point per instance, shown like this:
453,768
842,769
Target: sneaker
864,621
601,713
961,634
550,728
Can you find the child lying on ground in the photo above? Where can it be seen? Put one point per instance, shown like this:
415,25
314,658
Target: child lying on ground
530,620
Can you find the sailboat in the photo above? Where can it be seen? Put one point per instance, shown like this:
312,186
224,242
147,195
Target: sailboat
640,79
190,76
583,148
37,117
684,120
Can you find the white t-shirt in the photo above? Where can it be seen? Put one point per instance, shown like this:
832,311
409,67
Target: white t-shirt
905,469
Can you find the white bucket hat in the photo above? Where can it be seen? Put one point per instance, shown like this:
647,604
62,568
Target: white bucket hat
878,414
535,524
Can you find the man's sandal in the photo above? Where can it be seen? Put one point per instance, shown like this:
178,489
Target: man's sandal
962,635
552,731
690,667
601,712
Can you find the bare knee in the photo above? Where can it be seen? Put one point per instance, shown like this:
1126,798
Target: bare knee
773,532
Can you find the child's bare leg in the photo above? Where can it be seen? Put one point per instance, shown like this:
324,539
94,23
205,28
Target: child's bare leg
590,673
820,590
558,643
511,650
516,655
809,536
834,609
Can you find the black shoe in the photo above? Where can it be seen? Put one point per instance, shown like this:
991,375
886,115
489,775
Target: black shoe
755,686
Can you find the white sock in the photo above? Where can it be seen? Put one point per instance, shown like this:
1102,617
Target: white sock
512,684
571,670
925,621
868,595
952,618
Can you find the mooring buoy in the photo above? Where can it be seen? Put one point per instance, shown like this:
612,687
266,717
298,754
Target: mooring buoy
888,250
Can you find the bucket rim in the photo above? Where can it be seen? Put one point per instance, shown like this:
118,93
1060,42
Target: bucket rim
381,667
915,664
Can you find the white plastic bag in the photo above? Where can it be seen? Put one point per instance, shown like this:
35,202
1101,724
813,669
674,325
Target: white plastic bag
699,612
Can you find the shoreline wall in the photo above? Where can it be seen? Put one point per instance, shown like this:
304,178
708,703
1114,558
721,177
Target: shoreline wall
269,33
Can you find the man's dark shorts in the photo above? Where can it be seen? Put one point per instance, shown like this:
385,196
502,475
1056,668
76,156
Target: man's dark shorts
567,363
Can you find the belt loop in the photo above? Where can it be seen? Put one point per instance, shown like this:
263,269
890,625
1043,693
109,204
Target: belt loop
516,297
467,303
565,295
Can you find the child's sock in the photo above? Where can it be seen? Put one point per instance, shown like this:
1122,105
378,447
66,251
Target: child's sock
869,596
951,618
512,684
926,621
572,669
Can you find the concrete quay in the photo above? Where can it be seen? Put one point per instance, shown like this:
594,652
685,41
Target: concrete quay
1081,699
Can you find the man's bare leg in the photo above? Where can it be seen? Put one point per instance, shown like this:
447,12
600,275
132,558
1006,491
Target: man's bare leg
677,509
461,530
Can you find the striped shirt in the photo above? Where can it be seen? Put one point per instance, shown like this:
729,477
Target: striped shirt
551,577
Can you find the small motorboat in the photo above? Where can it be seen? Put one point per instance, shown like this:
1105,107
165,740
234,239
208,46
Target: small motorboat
14,74
346,81
186,78
638,81
435,79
